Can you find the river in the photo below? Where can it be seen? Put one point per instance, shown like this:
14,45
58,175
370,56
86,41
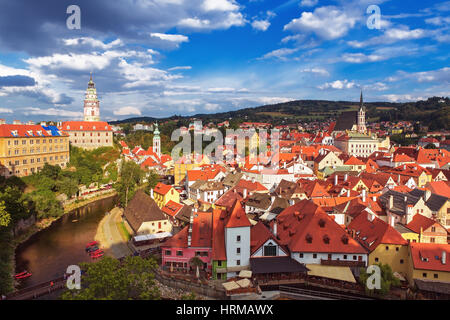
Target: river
48,253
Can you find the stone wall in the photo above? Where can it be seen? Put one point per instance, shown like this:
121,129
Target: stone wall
197,288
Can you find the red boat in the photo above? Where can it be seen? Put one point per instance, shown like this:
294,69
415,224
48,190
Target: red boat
20,274
23,275
90,244
97,255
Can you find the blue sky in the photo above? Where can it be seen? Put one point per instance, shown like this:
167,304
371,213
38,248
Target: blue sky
163,57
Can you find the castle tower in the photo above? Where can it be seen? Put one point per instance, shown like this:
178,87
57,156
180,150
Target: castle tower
361,123
91,103
156,141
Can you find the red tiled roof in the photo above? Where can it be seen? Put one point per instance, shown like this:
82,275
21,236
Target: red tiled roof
202,230
353,161
22,130
179,240
172,208
218,240
375,232
238,218
259,234
85,126
427,256
162,188
420,221
305,227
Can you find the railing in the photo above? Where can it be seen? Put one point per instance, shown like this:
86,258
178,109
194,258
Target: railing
342,263
326,295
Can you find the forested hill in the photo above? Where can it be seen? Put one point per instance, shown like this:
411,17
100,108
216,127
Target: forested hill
434,112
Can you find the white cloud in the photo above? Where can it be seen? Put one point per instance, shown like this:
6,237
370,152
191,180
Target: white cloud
361,57
212,106
327,22
5,110
308,3
261,25
220,90
438,21
338,84
180,68
402,97
177,38
219,5
53,112
93,43
320,71
126,111
279,53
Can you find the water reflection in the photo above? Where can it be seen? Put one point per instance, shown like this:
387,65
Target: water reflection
47,254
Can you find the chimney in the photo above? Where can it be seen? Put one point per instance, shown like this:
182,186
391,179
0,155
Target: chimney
336,180
275,229
444,257
16,122
427,195
346,177
253,179
291,202
374,198
151,193
348,193
398,179
2,121
391,202
364,195
244,193
43,123
370,216
404,167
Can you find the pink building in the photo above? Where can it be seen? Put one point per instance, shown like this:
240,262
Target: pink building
195,240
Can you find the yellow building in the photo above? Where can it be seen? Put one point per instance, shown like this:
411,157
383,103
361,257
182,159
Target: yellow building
429,261
384,243
24,148
182,165
163,193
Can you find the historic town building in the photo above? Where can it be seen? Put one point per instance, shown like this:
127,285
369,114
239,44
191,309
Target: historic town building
24,149
90,133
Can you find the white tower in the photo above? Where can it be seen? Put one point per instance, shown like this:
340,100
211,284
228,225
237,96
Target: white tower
156,141
362,116
91,103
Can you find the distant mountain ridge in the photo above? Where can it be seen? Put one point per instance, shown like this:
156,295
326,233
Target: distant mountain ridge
434,112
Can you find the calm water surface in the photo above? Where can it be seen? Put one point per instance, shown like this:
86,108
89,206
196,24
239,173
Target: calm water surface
48,253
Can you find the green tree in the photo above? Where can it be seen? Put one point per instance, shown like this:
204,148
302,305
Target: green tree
388,280
108,279
67,186
46,204
131,176
152,179
5,217
196,263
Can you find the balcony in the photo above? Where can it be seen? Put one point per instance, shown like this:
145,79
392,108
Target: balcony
342,263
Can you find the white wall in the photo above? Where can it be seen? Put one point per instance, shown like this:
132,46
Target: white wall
231,245
260,251
308,257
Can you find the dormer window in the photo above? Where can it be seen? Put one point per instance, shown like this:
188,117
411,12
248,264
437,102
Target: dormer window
93,127
81,127
68,127
344,239
326,239
308,238
322,223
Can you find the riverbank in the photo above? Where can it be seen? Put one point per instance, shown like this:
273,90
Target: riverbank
110,237
42,225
